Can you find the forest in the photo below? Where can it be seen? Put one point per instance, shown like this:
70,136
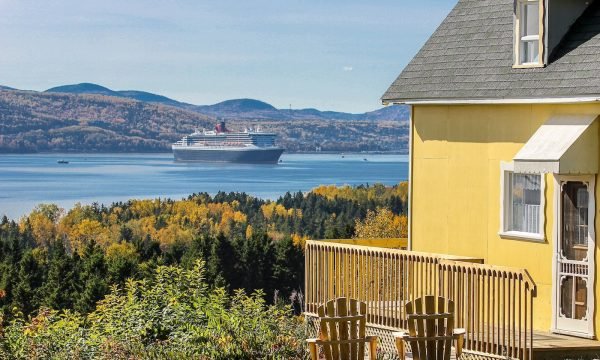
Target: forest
204,277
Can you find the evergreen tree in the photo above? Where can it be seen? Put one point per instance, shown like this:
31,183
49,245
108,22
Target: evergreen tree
58,291
92,282
220,262
11,253
30,277
288,267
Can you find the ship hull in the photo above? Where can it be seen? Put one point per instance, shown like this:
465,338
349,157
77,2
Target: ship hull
248,156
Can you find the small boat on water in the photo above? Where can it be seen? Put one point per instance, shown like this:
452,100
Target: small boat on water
62,162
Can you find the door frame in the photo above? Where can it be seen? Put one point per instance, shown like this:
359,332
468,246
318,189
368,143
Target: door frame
591,183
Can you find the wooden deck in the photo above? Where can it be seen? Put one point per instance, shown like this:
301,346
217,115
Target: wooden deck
555,346
547,346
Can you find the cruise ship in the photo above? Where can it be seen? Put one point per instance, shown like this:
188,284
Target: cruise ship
223,145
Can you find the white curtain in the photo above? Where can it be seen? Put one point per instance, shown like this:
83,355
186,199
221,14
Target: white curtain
525,190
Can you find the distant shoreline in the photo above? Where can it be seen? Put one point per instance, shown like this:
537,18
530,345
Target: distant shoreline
374,152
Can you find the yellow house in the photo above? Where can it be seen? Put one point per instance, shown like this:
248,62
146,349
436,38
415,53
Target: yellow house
503,201
505,100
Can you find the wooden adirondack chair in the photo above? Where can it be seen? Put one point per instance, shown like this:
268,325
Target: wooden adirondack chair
342,331
430,330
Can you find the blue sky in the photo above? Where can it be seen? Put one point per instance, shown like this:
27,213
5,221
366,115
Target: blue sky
332,55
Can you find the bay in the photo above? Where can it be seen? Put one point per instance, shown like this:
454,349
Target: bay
28,180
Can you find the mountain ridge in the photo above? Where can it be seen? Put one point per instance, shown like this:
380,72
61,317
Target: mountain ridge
243,108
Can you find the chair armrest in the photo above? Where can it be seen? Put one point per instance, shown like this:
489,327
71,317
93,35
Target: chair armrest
372,340
312,347
459,331
400,334
459,334
399,337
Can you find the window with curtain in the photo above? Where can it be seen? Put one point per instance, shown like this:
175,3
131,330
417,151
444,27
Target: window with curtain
523,203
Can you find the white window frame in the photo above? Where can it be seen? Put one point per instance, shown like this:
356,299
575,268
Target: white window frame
507,168
520,39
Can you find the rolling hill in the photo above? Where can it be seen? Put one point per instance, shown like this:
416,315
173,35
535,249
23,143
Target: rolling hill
94,89
92,118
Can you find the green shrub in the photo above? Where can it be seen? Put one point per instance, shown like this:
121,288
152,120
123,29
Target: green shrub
172,315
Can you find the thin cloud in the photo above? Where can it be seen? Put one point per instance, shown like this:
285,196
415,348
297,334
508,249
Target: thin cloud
347,68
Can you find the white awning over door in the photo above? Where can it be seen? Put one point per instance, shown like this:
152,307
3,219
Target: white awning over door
565,144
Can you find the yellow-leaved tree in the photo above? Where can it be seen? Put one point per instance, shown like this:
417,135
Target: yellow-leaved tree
43,220
86,232
382,223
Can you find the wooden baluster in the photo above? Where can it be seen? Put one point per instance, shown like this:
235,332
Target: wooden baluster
307,275
353,274
371,275
380,316
519,319
470,308
512,315
318,276
397,286
337,273
477,309
488,317
504,302
386,289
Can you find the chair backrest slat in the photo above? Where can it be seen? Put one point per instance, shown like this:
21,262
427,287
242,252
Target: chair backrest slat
430,324
449,326
342,311
353,311
362,324
333,329
324,332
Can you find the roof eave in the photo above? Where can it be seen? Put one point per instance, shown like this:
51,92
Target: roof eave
556,100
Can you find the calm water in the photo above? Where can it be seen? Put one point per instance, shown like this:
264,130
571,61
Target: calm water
27,180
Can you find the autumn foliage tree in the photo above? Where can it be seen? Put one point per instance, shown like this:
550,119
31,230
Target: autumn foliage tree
382,223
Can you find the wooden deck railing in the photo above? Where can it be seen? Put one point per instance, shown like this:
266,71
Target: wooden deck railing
395,243
494,304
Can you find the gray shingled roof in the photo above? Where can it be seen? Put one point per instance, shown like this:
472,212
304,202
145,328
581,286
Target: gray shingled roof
470,56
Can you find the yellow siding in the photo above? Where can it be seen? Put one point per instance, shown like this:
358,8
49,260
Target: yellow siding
456,155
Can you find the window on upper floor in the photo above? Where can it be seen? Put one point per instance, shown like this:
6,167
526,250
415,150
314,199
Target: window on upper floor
528,33
522,214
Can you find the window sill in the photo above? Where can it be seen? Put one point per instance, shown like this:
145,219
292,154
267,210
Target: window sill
528,66
518,235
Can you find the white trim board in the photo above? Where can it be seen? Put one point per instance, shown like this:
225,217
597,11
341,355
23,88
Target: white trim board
563,100
540,237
